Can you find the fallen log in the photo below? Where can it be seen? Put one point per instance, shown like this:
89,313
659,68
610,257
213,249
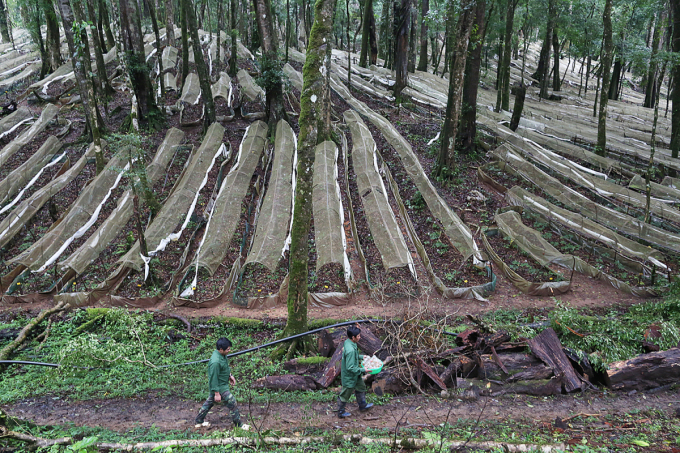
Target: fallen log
645,371
370,344
23,335
514,363
547,347
539,388
332,370
388,381
35,441
427,369
302,366
287,382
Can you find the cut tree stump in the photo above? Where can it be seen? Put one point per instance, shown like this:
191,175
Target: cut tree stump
514,363
388,381
645,371
325,344
288,382
547,347
332,370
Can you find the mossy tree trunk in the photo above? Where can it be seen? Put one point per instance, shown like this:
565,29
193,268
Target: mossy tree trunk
422,61
468,122
402,22
133,45
313,130
675,75
233,69
270,64
201,67
53,46
447,150
79,50
4,29
169,23
607,51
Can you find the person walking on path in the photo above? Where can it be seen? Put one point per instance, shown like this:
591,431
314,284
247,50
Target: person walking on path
352,370
219,378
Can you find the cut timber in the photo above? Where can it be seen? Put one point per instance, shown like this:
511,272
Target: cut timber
427,369
547,347
388,381
287,382
298,366
332,370
645,371
325,344
526,366
370,344
539,388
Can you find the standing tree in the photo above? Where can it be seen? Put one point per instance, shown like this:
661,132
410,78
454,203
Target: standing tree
76,37
675,74
544,62
504,86
607,50
447,150
4,28
104,11
53,46
652,88
169,22
234,34
468,121
422,62
556,61
103,85
201,67
402,21
366,32
270,65
314,114
150,117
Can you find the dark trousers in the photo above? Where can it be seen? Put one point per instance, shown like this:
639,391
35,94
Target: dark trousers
228,400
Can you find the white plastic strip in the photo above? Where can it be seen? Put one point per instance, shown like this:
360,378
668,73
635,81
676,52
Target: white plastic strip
31,182
346,265
56,79
15,127
436,137
286,244
88,224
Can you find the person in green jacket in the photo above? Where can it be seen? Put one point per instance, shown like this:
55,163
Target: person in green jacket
219,378
351,371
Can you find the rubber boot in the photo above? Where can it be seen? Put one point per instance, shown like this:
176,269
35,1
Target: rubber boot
361,399
342,413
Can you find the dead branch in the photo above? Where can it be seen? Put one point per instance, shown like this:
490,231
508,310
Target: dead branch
23,335
37,441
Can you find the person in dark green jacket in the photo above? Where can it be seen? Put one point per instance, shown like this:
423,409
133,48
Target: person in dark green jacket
351,371
219,378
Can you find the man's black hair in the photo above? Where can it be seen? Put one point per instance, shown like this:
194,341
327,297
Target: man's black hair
223,344
353,332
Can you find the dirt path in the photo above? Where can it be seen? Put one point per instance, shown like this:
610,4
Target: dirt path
176,414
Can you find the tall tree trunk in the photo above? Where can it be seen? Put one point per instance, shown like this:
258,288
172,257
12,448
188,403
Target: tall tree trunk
270,65
53,46
556,61
313,130
543,59
110,40
234,33
32,20
149,116
652,87
402,21
365,33
4,29
159,53
585,87
548,38
287,43
372,40
607,50
422,62
447,151
77,45
507,54
185,40
615,80
468,121
385,35
103,86
412,44
675,74
201,67
169,23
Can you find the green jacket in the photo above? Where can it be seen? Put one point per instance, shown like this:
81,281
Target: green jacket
351,364
218,372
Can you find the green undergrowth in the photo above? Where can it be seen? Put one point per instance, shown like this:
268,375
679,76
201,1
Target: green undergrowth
645,430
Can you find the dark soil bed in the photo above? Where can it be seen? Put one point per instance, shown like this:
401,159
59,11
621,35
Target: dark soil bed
257,281
520,262
330,278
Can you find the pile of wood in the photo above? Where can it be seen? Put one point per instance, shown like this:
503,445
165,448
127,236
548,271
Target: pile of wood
540,366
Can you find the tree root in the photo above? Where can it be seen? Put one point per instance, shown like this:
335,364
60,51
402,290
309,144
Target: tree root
23,335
